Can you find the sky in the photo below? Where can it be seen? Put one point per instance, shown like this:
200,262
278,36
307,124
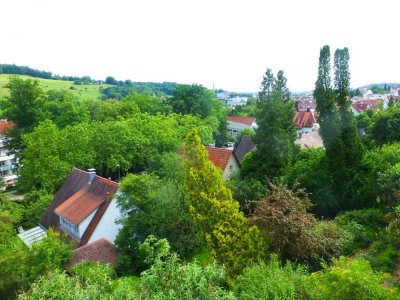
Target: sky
217,43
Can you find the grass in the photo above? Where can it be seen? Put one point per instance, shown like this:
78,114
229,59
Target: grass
81,91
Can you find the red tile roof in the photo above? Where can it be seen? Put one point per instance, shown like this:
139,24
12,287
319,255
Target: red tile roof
95,221
304,119
5,126
79,206
362,105
73,192
219,156
101,250
243,120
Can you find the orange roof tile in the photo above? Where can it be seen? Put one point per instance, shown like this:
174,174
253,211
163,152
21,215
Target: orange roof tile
362,105
79,206
243,120
219,156
304,119
5,126
101,250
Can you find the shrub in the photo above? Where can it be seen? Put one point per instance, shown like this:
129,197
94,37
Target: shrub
349,279
272,281
361,228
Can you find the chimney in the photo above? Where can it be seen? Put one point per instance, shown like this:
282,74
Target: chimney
92,175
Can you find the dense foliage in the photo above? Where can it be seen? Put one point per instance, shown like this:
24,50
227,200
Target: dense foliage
276,132
187,234
233,242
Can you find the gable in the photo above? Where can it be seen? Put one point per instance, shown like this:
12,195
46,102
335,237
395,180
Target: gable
79,206
219,156
304,119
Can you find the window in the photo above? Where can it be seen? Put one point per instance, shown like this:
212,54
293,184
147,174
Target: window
71,228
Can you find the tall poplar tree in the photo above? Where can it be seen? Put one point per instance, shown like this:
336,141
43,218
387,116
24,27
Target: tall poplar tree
233,242
338,130
276,132
352,145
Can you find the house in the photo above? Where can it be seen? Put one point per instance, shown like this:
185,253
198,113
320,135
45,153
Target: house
306,103
225,160
310,140
359,106
85,208
101,250
304,121
236,124
8,162
245,146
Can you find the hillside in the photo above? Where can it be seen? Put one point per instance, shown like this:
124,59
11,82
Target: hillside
82,91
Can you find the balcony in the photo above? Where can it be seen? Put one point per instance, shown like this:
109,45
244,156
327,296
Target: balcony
7,168
7,157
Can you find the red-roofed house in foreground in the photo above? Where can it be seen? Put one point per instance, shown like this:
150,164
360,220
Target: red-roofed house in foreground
225,160
236,124
85,208
101,250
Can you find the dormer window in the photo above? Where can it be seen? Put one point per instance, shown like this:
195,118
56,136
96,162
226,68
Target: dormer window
71,228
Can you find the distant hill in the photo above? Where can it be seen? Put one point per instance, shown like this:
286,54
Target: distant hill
85,86
381,85
90,91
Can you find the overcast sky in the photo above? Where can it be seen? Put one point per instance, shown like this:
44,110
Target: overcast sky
226,43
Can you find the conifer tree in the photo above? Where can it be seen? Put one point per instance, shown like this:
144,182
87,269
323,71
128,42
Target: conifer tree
232,241
276,132
337,126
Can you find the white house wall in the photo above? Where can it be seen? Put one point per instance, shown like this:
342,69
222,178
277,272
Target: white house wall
231,169
85,223
107,227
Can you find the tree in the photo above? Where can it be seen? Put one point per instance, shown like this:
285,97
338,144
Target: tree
221,135
232,241
276,133
338,130
151,206
111,80
168,278
194,99
24,105
352,146
19,265
42,166
311,172
64,109
385,126
283,217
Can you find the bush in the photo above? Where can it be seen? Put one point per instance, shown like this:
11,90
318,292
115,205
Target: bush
361,228
349,279
383,256
272,281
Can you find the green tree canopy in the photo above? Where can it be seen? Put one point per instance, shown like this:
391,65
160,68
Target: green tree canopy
233,242
276,132
195,100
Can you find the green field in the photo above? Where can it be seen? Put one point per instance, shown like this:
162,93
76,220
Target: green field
81,91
